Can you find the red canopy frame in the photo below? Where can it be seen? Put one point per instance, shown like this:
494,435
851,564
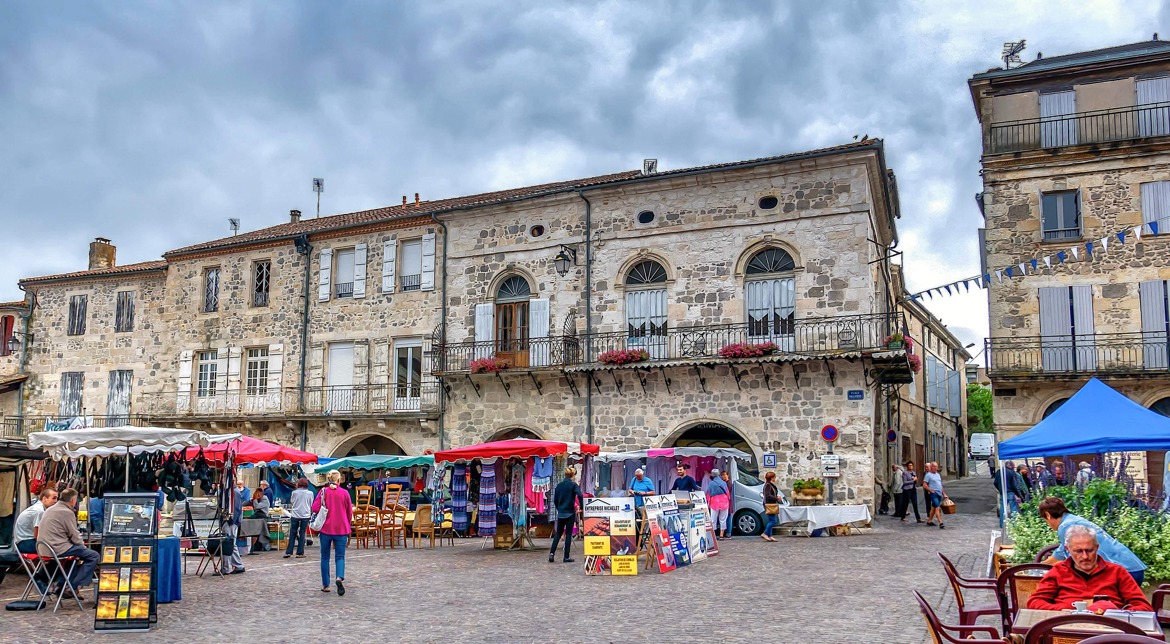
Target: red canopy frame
251,450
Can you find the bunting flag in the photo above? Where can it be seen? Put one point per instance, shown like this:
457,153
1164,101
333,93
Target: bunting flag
1076,253
1154,227
966,287
1008,271
1023,269
1089,249
1048,261
948,287
1034,267
1121,237
1104,243
1137,232
1060,255
999,275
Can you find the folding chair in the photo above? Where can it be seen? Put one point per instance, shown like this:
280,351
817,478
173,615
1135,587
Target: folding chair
59,569
210,560
32,566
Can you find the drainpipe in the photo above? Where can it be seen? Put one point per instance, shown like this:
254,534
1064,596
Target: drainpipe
588,314
305,249
24,358
443,326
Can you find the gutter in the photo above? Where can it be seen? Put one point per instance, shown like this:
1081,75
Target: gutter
588,312
305,249
443,326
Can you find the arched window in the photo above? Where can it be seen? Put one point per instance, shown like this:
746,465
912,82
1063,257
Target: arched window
646,308
770,295
512,298
1053,407
1162,407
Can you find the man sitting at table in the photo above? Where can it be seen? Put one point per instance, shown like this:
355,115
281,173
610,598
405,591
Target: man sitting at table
58,530
25,531
1085,575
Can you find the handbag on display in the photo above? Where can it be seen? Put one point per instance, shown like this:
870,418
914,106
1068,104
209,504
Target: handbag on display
318,521
771,508
188,529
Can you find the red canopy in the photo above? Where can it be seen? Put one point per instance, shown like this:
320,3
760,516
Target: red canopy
516,447
252,450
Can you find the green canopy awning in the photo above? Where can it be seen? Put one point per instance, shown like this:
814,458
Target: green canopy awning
376,462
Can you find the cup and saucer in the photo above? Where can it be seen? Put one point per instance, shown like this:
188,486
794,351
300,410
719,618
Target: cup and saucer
1081,608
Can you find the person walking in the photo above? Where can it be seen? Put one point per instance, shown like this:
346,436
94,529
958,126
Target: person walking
771,497
233,564
719,501
932,484
300,510
566,497
909,482
894,486
335,533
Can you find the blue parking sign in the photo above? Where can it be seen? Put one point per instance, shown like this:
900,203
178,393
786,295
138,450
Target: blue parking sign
769,460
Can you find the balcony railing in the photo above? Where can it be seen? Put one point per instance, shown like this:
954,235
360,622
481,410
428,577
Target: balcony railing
1102,126
410,282
807,337
343,289
324,401
12,426
1101,353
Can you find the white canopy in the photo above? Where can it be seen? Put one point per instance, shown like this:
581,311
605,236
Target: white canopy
667,452
113,441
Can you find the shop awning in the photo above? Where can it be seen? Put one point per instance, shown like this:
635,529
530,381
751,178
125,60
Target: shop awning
112,441
516,447
730,452
250,450
376,462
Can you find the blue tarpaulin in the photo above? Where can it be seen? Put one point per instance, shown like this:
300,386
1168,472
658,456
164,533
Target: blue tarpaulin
1096,420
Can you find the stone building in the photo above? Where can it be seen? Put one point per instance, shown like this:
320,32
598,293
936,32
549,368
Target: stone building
382,330
1076,150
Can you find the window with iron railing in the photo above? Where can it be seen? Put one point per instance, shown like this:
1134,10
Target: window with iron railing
343,272
261,278
211,290
409,282
1060,215
344,289
410,273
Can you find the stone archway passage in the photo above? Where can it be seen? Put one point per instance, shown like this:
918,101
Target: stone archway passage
718,435
370,444
514,432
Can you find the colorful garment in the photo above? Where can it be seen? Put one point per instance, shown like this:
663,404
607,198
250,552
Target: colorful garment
519,508
542,471
487,502
459,520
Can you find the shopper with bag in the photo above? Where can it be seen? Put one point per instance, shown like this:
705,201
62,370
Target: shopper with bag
771,505
334,521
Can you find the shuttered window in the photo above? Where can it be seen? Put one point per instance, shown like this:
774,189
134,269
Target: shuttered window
646,309
77,312
208,370
118,398
1155,305
1067,337
124,312
770,296
1058,123
410,277
1060,214
1156,204
343,273
72,387
1153,98
7,325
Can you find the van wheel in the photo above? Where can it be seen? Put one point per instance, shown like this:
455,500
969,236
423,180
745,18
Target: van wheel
747,522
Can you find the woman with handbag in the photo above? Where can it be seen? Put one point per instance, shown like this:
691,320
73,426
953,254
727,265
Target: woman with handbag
334,521
771,505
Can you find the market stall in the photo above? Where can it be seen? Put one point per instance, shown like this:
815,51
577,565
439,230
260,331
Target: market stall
510,478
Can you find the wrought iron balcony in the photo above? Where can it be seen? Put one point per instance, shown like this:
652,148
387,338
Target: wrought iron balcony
851,335
1087,354
1082,128
14,426
342,401
358,400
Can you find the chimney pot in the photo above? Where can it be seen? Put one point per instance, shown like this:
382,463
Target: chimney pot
101,254
294,216
404,200
416,198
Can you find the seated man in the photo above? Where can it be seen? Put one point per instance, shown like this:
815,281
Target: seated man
58,531
25,531
1054,512
1085,575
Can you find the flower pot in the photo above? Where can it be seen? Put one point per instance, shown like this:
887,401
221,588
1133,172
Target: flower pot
894,344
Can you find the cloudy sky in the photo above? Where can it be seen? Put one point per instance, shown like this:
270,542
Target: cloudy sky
153,123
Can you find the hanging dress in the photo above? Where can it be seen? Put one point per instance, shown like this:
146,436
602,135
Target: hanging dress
519,508
459,498
487,502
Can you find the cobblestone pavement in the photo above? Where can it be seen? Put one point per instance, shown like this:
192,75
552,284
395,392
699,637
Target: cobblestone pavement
854,589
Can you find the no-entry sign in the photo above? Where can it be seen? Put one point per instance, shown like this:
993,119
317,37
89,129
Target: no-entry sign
829,433
891,436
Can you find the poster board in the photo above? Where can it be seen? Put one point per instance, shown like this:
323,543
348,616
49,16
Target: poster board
668,532
611,542
701,512
127,585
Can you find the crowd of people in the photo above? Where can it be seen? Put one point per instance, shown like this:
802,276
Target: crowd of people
902,487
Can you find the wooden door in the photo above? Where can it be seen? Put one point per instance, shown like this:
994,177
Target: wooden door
512,333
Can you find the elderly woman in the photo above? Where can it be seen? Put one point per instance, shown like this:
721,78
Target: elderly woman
719,500
260,505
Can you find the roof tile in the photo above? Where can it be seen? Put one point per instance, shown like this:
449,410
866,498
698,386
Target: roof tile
156,265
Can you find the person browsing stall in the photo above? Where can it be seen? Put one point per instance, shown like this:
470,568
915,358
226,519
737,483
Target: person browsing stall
932,484
685,482
640,486
1086,575
566,497
719,502
1054,512
24,533
58,531
268,493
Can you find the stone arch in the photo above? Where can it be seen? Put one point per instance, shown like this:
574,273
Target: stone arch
643,254
362,443
515,431
768,241
696,426
1051,405
504,274
1153,396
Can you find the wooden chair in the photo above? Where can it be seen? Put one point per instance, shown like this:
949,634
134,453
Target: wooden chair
941,633
1045,631
1046,552
969,613
1013,588
366,524
363,494
423,523
1159,603
393,522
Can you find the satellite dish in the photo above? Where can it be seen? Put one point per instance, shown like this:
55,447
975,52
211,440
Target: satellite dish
1012,51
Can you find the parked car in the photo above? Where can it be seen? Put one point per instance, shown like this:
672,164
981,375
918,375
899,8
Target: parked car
749,505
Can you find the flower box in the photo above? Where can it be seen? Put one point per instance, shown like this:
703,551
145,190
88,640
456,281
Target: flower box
915,362
748,350
627,356
489,365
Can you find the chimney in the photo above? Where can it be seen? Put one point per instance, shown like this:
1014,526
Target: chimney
416,198
101,254
294,216
404,200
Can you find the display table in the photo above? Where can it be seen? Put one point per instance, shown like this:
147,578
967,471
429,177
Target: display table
170,573
824,516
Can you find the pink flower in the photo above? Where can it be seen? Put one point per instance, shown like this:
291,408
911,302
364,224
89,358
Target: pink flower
489,365
915,362
747,350
626,356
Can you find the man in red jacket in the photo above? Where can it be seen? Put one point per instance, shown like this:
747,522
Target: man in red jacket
1084,576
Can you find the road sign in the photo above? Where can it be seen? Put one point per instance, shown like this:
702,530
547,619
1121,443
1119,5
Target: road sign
856,394
830,465
769,460
829,433
892,436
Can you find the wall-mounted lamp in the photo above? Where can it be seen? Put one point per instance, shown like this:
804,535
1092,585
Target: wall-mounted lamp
565,258
14,342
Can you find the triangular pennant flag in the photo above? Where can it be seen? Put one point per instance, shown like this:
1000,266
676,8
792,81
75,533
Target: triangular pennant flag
1048,261
986,280
1104,243
948,288
1089,248
1023,269
1060,255
1008,271
1075,252
1154,227
930,294
999,275
966,286
1137,232
1034,266
1121,237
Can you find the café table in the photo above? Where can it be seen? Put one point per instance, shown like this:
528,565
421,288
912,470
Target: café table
1027,618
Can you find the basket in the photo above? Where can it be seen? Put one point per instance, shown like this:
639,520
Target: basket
948,506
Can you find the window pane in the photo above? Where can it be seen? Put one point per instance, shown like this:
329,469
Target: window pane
208,368
256,375
1070,218
412,258
261,275
1049,208
211,290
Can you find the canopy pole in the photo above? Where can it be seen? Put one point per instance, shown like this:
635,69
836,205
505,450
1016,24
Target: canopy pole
127,468
1003,515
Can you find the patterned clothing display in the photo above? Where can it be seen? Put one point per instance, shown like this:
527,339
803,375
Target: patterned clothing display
459,498
487,502
519,509
542,471
473,485
435,491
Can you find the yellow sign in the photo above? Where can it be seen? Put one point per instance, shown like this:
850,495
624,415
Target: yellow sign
597,546
622,526
624,565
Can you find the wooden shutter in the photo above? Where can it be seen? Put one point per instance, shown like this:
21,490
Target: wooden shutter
1153,121
955,391
1086,338
538,326
931,383
1154,324
427,280
324,279
275,375
72,388
485,324
118,398
1156,204
389,259
1055,329
1055,129
359,271
183,396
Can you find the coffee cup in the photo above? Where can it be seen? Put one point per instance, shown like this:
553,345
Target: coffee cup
1081,606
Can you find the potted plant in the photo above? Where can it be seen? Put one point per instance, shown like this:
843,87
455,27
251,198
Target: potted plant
915,362
748,350
624,356
808,487
895,340
490,364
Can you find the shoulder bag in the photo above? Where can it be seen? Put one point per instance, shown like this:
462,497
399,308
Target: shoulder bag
318,521
772,508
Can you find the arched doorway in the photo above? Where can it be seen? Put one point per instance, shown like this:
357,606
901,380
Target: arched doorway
514,432
748,516
368,444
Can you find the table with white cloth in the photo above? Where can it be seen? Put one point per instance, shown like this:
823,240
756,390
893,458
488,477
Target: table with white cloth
824,516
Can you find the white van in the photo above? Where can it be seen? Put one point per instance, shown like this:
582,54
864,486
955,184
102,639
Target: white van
982,445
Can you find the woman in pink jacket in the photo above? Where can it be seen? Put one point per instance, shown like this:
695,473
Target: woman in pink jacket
335,532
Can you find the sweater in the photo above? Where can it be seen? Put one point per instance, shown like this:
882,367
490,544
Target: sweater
565,497
1064,584
339,522
58,528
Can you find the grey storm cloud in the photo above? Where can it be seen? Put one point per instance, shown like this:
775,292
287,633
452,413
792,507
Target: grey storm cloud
153,123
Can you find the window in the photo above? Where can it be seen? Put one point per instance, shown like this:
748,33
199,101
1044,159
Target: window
1156,205
1053,407
646,216
72,387
208,371
1153,97
407,375
211,290
512,320
256,372
343,274
770,294
1067,338
261,282
410,277
768,203
118,398
1153,299
77,308
536,231
124,312
1060,214
646,318
7,328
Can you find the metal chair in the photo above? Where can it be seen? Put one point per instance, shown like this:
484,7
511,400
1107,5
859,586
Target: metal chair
1013,588
1046,552
1120,638
968,614
1045,631
32,566
943,632
58,569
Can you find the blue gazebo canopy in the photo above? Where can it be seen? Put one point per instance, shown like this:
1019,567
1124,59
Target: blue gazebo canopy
1096,420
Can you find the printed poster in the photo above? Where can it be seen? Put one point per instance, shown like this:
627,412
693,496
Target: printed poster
699,501
662,512
609,535
696,535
